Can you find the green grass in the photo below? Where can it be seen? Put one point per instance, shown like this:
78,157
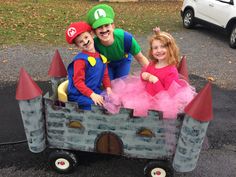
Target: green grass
45,21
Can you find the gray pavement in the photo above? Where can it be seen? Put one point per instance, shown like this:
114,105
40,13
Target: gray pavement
208,55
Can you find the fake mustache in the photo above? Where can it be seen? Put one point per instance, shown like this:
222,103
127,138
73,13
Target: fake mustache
86,43
105,32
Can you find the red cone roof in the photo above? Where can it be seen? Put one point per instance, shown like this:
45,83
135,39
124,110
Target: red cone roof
57,67
183,69
26,89
200,108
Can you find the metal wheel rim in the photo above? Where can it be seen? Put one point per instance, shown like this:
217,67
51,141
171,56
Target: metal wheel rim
187,19
62,163
158,172
233,36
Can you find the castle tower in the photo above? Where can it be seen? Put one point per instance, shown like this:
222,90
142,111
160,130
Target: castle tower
183,69
198,114
29,96
57,72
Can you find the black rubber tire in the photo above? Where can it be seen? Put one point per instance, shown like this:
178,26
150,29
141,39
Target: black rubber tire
232,37
162,167
63,161
188,19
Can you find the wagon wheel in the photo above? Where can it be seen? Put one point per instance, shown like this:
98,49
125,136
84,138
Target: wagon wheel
158,169
63,161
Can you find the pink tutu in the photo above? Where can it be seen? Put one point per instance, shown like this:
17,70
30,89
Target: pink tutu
129,92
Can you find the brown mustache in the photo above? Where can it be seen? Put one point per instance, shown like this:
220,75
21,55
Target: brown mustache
105,32
86,43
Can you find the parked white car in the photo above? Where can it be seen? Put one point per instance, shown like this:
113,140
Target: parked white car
217,13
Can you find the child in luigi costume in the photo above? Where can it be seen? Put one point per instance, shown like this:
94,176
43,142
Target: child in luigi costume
88,70
116,44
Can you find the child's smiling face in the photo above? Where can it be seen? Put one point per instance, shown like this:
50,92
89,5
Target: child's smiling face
105,33
159,50
85,42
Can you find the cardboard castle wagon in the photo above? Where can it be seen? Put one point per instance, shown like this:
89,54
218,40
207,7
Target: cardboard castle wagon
53,122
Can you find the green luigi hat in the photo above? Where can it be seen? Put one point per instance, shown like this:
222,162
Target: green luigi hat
99,15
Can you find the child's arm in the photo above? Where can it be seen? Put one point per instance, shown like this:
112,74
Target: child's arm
79,78
149,77
107,82
143,61
79,82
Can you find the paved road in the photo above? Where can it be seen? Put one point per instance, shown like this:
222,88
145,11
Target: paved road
208,55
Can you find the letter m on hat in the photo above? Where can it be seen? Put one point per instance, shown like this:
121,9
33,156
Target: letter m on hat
71,31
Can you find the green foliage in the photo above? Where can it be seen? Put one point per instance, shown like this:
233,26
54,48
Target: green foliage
45,21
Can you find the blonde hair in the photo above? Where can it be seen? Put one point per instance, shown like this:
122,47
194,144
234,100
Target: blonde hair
169,42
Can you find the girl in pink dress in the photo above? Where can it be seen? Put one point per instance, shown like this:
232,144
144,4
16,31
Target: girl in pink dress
158,87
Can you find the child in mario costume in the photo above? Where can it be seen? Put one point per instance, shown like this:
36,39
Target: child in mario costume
116,44
88,70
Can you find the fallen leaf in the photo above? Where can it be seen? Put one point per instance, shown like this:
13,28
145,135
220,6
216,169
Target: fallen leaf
42,34
210,79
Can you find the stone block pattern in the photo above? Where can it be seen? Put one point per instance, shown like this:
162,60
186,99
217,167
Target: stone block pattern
34,123
189,144
96,122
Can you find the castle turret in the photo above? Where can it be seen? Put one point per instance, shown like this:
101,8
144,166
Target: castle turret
57,72
198,114
183,69
29,96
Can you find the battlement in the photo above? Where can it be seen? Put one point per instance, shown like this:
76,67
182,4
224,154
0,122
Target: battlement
128,130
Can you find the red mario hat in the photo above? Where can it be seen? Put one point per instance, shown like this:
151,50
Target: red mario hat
76,29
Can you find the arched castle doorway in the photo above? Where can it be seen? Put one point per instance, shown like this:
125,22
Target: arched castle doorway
109,143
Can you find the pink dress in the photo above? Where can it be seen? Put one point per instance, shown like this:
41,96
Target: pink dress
169,95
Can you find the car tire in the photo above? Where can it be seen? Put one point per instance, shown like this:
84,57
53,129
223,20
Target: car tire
188,19
232,37
158,169
63,161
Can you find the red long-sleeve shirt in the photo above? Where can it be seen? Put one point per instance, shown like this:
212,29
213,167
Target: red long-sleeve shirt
165,75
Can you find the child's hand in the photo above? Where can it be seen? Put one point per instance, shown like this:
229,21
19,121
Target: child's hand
97,99
153,79
149,77
145,76
109,91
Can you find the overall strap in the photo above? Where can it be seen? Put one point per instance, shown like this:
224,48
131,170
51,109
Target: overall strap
91,60
127,42
81,56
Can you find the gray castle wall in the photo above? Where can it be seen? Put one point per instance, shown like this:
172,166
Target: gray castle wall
60,135
189,144
34,123
180,139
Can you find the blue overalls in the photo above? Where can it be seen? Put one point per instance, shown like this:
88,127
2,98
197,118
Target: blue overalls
120,68
93,79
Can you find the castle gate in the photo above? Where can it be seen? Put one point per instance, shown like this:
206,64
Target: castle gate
109,143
